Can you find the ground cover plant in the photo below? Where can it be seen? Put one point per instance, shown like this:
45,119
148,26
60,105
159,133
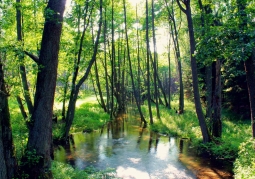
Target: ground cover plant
234,146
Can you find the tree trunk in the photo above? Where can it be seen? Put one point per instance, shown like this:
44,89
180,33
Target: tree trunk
22,68
76,88
216,120
130,68
154,62
209,92
250,77
7,157
21,107
200,115
40,135
174,33
105,65
148,63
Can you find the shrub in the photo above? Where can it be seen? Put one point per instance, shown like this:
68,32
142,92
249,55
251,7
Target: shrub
244,166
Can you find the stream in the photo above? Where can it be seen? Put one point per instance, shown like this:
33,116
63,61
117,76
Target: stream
136,152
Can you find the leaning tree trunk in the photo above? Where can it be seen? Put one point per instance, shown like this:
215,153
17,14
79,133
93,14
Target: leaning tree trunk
200,115
75,90
40,134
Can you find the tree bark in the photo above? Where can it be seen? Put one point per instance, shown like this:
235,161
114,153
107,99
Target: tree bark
148,63
200,115
7,157
22,68
154,61
216,120
40,135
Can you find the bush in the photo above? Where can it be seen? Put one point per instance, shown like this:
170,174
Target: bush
244,166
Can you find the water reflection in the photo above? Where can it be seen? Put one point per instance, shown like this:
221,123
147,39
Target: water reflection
133,151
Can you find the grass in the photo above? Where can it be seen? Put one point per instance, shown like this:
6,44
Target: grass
89,116
64,171
235,145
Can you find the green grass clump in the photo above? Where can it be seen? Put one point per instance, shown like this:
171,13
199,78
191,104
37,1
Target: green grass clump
65,171
89,116
244,166
186,125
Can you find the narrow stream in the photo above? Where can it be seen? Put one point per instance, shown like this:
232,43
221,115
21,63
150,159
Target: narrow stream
134,152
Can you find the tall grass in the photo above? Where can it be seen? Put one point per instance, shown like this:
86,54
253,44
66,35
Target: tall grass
186,125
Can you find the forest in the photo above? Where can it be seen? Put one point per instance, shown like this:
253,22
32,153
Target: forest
187,67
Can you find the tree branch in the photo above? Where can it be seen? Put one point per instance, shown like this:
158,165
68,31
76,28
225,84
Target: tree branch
32,56
180,6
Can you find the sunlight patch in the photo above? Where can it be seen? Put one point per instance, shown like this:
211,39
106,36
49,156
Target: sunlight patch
131,173
135,160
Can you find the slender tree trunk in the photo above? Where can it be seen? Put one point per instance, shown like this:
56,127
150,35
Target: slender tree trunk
75,90
63,113
22,67
138,61
148,63
209,92
174,33
169,73
112,65
154,62
40,134
105,65
21,107
200,115
101,99
130,68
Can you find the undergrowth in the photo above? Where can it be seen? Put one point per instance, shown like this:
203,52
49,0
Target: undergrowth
65,171
233,146
89,116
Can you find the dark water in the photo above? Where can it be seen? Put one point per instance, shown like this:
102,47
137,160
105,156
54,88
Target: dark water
133,151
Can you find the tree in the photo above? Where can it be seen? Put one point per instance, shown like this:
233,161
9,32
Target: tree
200,115
130,68
8,161
40,134
76,86
22,67
174,34
248,59
148,63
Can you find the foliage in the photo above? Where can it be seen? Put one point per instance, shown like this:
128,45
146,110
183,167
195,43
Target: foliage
19,129
186,125
244,166
65,171
89,116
